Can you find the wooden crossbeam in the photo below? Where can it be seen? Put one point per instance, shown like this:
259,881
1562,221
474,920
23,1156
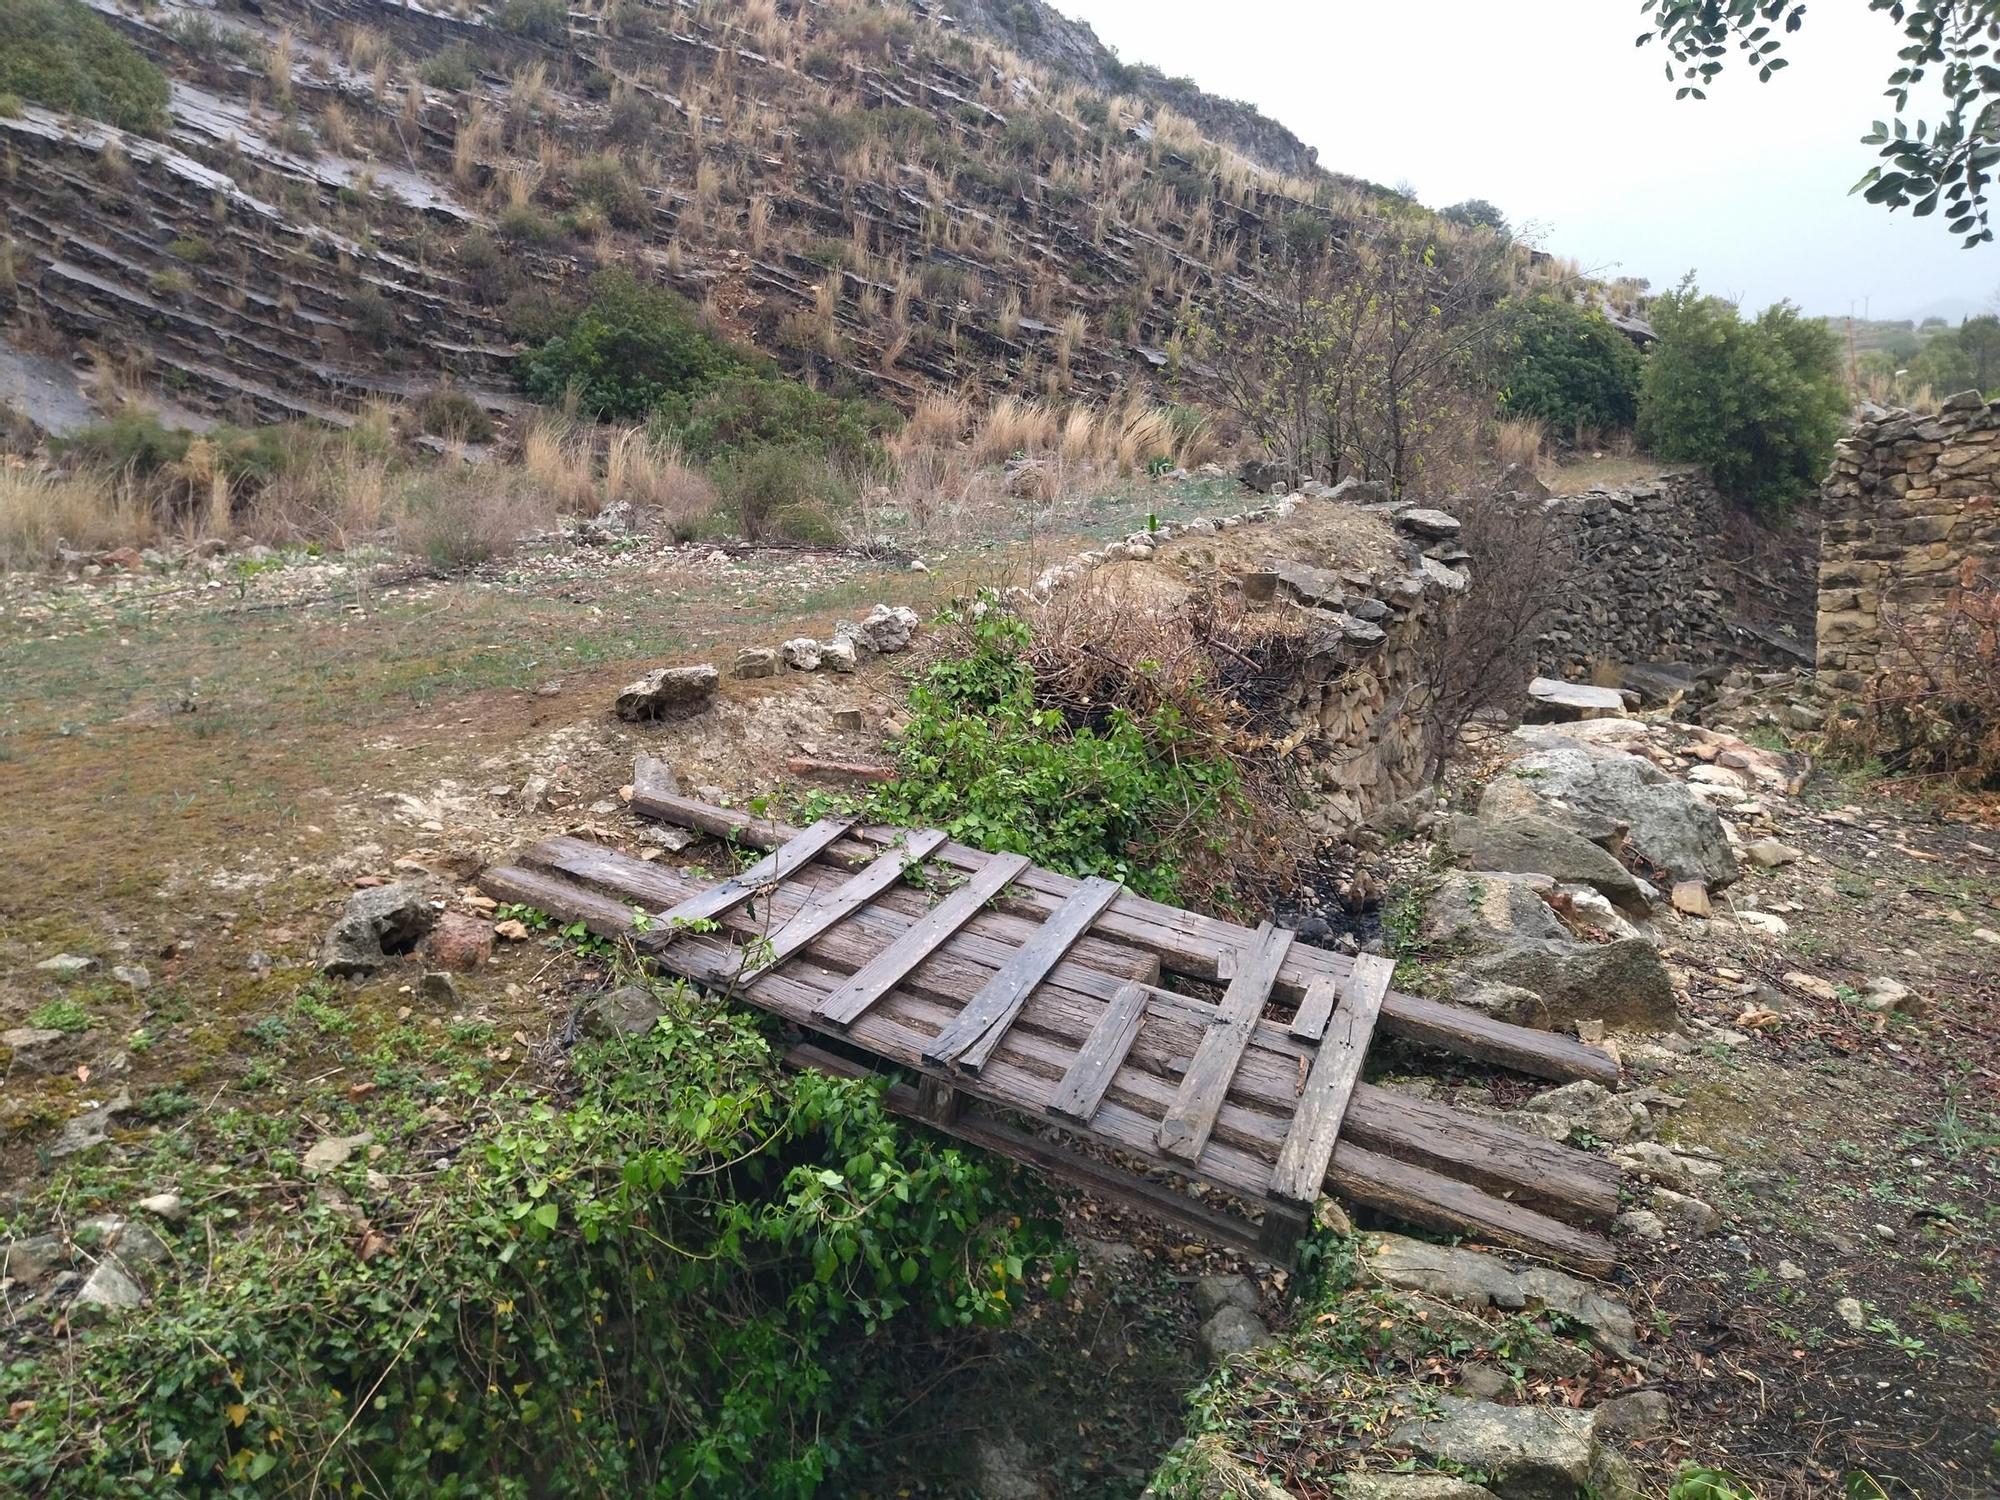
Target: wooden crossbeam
788,860
971,1038
1308,1149
1103,1053
1315,1007
887,969
856,892
1187,1125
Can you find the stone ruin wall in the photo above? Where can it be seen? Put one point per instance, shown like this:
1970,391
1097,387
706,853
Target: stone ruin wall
1911,518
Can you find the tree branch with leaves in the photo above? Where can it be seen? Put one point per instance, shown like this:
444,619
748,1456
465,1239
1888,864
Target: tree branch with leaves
1927,164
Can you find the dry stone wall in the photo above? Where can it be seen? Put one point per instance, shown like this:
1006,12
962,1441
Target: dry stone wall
1911,523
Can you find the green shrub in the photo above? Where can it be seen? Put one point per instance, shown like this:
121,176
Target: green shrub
609,183
536,20
779,490
58,53
61,1015
631,348
130,438
449,69
678,1282
1566,365
1760,403
747,410
456,416
524,224
985,761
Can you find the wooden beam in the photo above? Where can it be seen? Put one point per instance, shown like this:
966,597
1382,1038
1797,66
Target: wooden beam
1188,1123
1102,1055
1315,1007
835,906
1301,1170
706,905
971,1038
888,967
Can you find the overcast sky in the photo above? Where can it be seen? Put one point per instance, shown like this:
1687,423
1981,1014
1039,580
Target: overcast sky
1546,108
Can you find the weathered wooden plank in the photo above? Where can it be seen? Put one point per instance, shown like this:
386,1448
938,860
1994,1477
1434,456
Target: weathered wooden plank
1301,1169
1364,1178
888,968
1529,1169
1192,944
856,892
1185,1130
1315,1008
793,856
1084,1085
970,1038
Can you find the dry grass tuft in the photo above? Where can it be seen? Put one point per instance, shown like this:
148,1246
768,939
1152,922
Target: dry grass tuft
42,513
1520,440
653,475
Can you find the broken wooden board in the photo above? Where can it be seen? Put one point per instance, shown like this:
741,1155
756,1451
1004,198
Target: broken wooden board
1025,996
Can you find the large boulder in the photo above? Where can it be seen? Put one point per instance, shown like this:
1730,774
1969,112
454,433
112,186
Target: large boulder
1523,1452
1477,909
1533,845
669,692
1550,698
1623,984
1666,824
377,924
888,628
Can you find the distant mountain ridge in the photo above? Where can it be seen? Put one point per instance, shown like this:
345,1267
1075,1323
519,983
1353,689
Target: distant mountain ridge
1070,48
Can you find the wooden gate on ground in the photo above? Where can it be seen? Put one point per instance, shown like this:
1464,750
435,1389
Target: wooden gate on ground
1038,1015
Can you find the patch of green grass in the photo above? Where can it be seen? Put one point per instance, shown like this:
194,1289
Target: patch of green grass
58,53
62,1015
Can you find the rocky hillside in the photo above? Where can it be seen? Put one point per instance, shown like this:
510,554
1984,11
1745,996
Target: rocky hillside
349,199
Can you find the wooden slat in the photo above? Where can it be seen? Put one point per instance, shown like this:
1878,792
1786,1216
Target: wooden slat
1364,1178
970,1039
1185,1130
887,969
1192,944
1528,1169
1082,1087
1301,1169
1315,1008
856,892
797,853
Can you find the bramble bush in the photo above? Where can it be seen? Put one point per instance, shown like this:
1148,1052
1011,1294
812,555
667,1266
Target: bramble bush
667,1285
1565,365
1130,798
1759,402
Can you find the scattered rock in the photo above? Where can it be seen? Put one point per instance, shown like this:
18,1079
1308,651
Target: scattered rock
377,924
134,977
756,661
30,1048
1791,1271
1690,898
33,1261
1541,846
1641,1224
1503,1002
629,1010
1667,1167
1482,908
332,1152
1526,1452
1850,1311
1003,1468
1470,1278
1552,700
888,628
534,794
66,965
848,719
1434,525
169,1207
1622,983
1213,1293
1812,985
1232,1331
1638,1415
837,655
1769,854
669,692
1585,1108
801,653
440,988
460,942
1412,1487
1884,994
89,1129
1689,1214
108,1292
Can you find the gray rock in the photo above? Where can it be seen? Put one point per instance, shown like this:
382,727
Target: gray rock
1850,1311
1589,1109
66,965
135,1246
801,653
170,1208
1638,1415
1504,1002
108,1292
32,1048
331,1152
1685,1212
132,976
1641,1224
629,1010
377,924
1526,1452
1666,824
837,655
1412,1487
888,628
1003,1468
1541,846
756,661
34,1260
440,988
1470,1278
1482,1383
1361,492
1665,1166
669,693
1480,908
1769,854
1623,983
1552,700
1213,1293
1232,1331
89,1129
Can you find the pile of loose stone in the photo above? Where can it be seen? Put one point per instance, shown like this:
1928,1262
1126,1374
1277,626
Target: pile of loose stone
679,692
